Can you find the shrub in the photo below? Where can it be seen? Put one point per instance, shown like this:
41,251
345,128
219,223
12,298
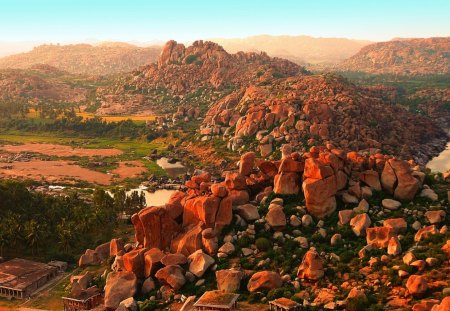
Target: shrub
263,244
244,241
191,58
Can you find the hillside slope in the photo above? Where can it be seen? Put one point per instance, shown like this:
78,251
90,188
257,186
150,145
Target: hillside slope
107,58
412,56
40,83
316,110
199,74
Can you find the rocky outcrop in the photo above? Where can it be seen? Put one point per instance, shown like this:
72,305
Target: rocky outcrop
309,110
119,286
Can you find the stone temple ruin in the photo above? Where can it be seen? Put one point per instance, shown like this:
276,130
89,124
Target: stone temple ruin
20,278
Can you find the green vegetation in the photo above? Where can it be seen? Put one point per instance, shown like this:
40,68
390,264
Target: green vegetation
57,227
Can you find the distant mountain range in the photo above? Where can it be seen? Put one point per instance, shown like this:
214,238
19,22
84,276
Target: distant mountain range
102,59
299,49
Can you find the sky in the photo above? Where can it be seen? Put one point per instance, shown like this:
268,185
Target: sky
188,20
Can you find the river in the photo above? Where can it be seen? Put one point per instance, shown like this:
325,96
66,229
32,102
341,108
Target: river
441,163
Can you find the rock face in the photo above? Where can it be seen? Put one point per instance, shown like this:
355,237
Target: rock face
229,280
119,286
311,267
264,280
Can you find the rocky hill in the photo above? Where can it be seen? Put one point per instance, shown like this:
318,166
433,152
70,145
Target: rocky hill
40,83
326,229
199,73
434,103
298,49
103,59
307,110
411,57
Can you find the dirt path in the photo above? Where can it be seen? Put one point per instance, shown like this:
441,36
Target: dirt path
60,150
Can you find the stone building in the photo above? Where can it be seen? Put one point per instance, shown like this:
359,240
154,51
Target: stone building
19,278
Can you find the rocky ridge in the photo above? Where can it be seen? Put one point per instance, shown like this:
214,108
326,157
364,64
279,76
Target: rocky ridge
198,74
39,83
86,59
409,56
308,110
356,201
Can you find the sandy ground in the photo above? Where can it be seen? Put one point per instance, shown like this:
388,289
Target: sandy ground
129,169
60,150
52,171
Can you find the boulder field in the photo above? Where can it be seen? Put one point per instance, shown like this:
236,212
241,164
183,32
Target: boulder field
214,221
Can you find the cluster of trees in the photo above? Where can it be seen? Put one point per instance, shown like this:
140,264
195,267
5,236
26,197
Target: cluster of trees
71,124
57,227
10,108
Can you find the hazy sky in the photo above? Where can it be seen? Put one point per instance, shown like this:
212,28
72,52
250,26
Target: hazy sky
186,20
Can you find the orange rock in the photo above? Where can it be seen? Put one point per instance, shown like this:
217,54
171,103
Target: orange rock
360,223
268,168
229,280
425,305
152,259
239,197
446,248
388,178
264,280
246,163
416,285
379,236
289,165
319,195
371,178
115,246
219,190
206,208
159,227
425,233
174,259
171,275
314,169
134,262
224,214
119,286
286,183
398,225
138,229
235,181
188,242
204,177
311,267
443,306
